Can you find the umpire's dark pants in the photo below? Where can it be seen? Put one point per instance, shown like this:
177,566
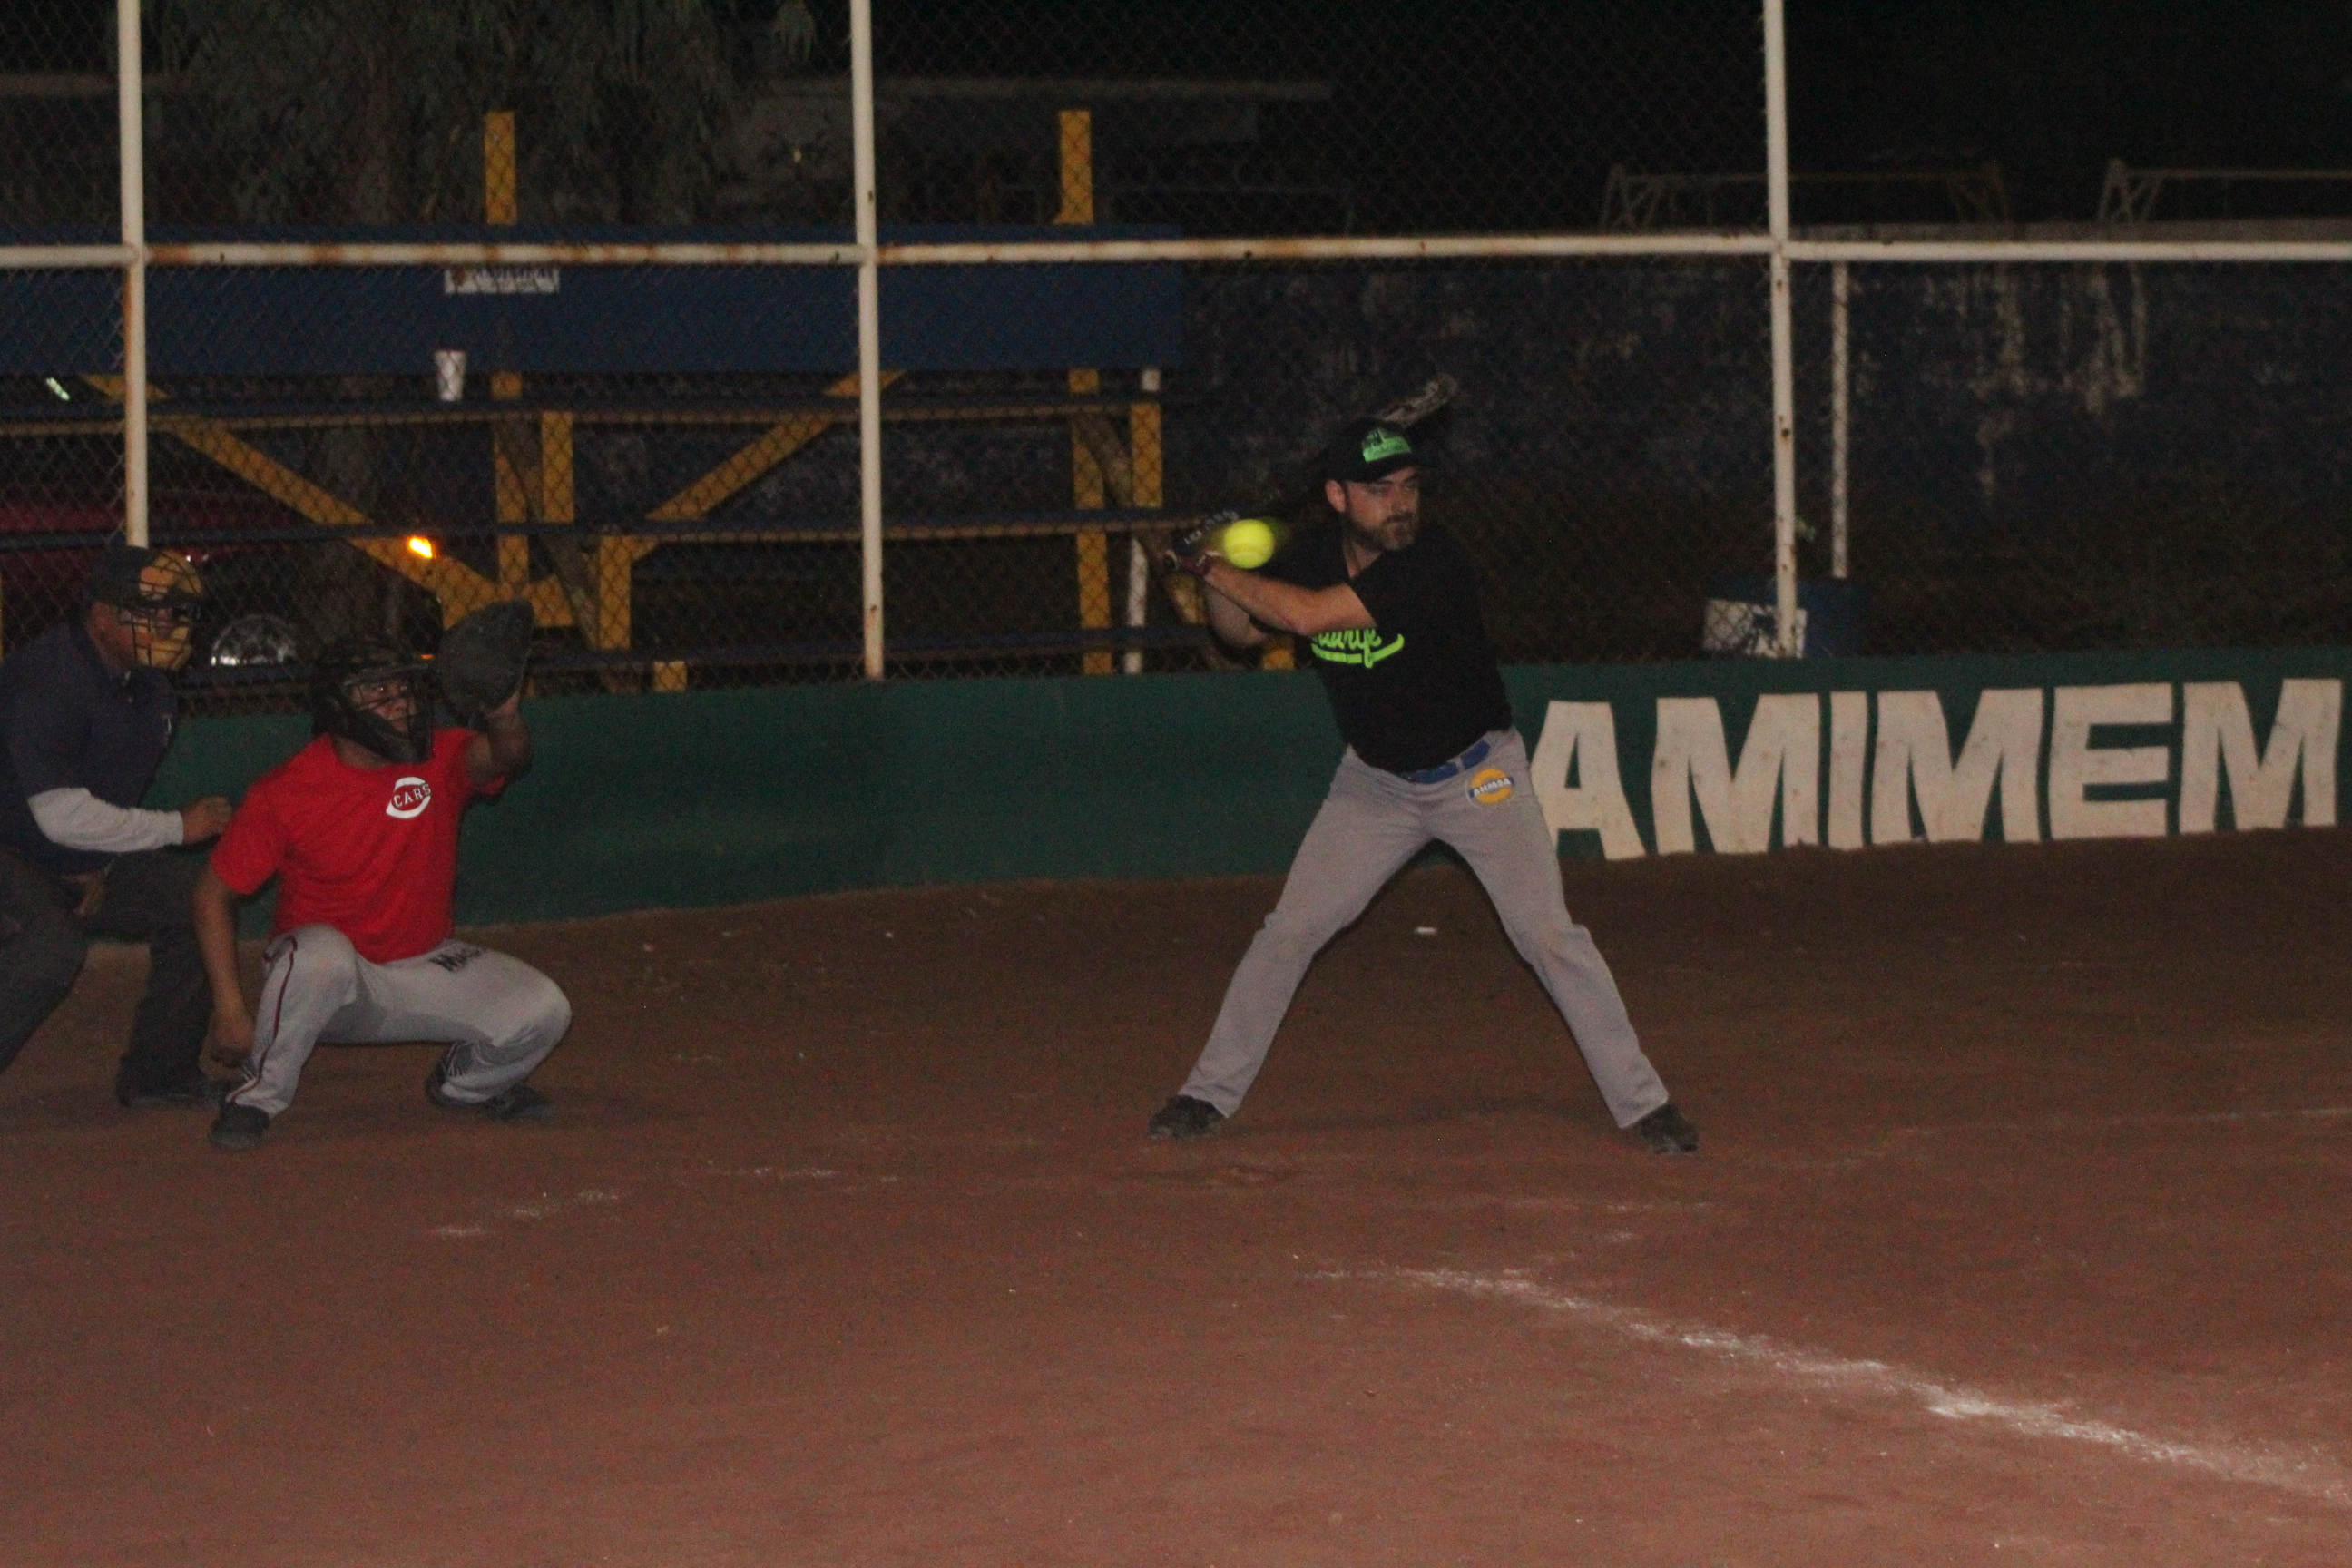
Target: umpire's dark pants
148,897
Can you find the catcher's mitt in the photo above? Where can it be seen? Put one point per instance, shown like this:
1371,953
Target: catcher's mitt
482,659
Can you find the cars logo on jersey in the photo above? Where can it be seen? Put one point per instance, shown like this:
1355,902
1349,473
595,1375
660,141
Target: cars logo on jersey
1490,786
410,796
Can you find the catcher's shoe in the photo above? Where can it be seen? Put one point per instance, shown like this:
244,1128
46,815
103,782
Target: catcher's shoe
1667,1131
184,1090
239,1127
1185,1117
519,1103
516,1102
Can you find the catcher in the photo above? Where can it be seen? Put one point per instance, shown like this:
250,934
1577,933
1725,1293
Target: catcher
360,827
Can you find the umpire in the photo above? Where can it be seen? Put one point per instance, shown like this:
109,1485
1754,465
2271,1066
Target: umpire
1390,609
85,713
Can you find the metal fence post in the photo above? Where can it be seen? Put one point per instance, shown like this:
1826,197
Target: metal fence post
1840,408
131,115
869,329
1784,374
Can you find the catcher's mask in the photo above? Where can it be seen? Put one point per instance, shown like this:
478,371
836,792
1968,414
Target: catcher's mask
156,595
375,694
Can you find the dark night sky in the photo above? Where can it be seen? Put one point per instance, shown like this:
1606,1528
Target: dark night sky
1479,104
2053,90
2050,89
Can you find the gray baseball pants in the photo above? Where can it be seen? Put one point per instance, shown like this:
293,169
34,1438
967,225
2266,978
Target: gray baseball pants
1371,824
500,1015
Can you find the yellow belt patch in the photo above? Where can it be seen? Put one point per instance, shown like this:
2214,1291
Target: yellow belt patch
1490,786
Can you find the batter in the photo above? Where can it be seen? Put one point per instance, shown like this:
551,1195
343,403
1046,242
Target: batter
1390,611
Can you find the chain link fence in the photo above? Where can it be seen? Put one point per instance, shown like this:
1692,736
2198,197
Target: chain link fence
60,442
1286,116
62,439
2088,456
664,459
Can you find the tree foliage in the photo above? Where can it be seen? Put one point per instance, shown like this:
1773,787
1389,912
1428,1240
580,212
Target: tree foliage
369,112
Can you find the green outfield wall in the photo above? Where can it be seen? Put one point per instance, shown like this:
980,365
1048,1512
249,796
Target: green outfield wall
724,796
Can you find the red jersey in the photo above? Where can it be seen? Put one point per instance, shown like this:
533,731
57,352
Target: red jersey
372,852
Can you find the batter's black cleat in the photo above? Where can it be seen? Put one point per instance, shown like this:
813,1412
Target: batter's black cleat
239,1127
1185,1117
516,1102
1667,1131
182,1091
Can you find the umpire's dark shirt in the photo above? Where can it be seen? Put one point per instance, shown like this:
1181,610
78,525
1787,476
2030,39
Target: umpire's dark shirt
67,722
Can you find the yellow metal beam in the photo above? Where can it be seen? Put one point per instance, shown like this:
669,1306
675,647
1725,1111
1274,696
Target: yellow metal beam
1077,167
1094,459
555,484
265,473
460,588
1087,494
499,186
788,435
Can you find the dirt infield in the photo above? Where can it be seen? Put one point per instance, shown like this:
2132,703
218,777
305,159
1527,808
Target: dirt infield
2017,1237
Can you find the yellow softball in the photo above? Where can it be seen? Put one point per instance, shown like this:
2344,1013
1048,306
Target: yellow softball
1248,545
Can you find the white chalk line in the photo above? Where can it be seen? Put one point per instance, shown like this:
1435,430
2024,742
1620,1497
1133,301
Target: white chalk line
2310,1113
549,1205
546,1206
2152,1118
2307,1473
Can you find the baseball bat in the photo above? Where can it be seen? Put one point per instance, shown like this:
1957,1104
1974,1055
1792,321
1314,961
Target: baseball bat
1306,500
1421,403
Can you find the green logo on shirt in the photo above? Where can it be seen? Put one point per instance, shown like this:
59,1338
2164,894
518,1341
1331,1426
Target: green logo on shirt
1364,647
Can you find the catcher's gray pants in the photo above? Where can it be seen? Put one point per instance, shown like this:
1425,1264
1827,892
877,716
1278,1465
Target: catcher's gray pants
1371,824
502,1015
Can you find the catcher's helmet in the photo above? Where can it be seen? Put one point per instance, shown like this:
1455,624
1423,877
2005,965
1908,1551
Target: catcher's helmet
157,594
356,679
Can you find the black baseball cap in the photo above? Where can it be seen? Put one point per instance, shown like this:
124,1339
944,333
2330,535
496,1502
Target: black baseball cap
134,577
1367,450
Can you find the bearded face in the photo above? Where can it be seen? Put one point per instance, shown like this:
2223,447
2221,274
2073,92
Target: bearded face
1384,513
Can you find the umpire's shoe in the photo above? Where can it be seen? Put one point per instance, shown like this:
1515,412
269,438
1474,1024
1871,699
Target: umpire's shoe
239,1127
516,1102
1667,1131
182,1091
1185,1117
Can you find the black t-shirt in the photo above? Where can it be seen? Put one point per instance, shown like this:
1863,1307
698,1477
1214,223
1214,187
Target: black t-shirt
1423,685
67,722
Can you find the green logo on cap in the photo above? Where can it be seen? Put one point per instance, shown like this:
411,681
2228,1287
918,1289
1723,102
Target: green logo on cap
1381,445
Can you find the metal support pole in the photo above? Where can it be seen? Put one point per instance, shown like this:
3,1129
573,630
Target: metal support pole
1784,375
1139,598
1841,404
869,329
131,117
